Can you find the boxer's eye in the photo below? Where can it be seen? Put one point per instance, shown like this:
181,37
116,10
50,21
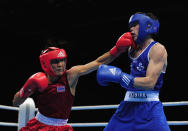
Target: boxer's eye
133,24
55,61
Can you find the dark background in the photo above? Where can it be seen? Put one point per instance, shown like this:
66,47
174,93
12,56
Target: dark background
90,28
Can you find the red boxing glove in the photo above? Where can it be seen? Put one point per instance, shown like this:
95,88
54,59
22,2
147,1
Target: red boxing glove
122,44
38,81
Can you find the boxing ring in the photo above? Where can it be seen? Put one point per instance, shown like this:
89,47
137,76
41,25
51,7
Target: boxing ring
27,110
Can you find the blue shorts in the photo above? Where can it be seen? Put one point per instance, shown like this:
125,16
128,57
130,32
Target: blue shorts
138,116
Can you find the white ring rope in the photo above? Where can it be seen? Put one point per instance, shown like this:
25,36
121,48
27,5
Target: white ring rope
8,124
180,103
94,107
9,108
100,124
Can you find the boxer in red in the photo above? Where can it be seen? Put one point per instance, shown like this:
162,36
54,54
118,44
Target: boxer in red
56,86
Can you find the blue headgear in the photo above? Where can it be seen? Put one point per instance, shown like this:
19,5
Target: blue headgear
146,26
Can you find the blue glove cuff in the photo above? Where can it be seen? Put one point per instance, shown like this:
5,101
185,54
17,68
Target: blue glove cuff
127,81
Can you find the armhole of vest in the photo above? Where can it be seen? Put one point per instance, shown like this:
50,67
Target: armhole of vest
69,88
150,49
148,55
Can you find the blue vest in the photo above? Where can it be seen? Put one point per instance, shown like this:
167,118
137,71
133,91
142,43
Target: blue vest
139,66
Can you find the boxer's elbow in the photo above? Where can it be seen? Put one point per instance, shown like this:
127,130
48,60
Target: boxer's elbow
150,85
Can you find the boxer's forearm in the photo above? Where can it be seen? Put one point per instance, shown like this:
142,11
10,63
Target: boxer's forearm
93,65
145,83
106,58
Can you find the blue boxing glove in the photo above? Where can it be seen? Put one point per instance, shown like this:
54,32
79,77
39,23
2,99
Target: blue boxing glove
106,74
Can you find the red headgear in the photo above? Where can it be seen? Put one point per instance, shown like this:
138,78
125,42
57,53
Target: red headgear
50,54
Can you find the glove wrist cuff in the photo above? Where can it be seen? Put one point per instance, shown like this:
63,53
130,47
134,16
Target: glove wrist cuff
114,51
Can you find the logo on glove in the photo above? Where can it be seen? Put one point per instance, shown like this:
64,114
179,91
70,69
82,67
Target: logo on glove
113,71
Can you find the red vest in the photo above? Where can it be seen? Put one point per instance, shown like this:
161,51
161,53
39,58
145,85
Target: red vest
56,100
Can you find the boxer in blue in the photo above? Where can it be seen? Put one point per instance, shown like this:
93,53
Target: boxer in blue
141,109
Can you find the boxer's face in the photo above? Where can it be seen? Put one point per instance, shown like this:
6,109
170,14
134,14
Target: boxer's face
58,66
134,31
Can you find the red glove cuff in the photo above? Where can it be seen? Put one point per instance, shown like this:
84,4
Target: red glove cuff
114,51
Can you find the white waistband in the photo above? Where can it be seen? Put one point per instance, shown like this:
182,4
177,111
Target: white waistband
50,121
141,96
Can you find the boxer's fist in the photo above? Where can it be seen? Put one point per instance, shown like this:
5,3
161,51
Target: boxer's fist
37,81
122,44
106,74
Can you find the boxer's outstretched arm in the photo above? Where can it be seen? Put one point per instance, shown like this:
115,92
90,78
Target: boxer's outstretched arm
93,65
76,71
122,44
